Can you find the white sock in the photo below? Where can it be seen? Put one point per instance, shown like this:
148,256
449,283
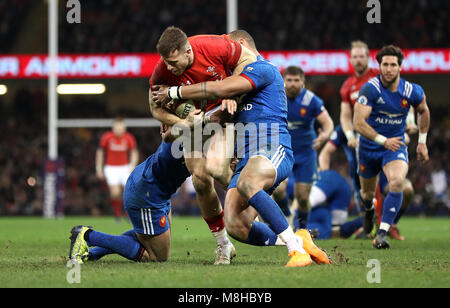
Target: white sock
221,237
384,226
292,241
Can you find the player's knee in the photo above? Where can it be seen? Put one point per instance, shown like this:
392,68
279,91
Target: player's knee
246,187
408,189
202,183
367,195
396,184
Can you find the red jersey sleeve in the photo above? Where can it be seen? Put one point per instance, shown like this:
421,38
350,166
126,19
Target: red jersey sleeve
104,140
345,92
131,141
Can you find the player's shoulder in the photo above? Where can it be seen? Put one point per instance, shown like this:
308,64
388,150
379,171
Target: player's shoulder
372,86
348,83
411,90
108,134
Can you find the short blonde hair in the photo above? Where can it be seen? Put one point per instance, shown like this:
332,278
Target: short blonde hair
359,44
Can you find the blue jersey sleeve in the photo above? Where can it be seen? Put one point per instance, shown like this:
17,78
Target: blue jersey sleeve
416,95
367,95
318,106
338,137
259,74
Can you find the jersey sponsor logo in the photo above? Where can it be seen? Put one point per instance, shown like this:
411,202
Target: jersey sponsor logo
405,103
362,100
391,115
247,107
303,112
389,121
119,147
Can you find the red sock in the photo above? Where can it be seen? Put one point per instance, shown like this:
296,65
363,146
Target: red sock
116,204
215,224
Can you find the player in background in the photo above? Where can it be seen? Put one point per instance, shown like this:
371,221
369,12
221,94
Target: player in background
304,108
147,201
329,199
380,118
260,168
187,61
359,60
115,158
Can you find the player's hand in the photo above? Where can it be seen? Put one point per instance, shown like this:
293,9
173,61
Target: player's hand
411,129
394,143
422,152
230,105
195,117
352,143
319,141
160,95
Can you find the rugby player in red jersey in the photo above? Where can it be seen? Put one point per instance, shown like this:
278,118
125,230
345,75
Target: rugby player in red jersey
116,157
186,61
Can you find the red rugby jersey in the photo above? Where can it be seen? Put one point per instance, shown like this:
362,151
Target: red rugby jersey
350,89
214,58
117,148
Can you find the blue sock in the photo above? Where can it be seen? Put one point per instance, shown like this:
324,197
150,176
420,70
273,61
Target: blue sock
400,213
350,227
302,219
284,206
124,245
261,235
96,253
269,210
391,205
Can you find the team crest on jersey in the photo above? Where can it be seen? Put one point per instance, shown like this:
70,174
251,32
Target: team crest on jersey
362,100
303,112
163,221
362,168
405,103
249,69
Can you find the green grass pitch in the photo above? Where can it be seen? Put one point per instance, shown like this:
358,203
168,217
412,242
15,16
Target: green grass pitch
33,253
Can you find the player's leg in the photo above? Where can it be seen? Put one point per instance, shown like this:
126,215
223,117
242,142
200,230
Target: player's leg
210,206
280,196
219,152
113,179
320,218
258,175
395,171
408,195
367,194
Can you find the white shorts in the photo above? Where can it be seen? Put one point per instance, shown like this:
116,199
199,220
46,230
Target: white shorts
116,175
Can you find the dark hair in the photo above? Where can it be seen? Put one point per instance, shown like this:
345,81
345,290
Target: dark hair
294,70
390,50
242,34
171,39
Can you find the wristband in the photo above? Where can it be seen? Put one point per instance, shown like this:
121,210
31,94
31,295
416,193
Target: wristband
349,134
174,92
423,138
380,139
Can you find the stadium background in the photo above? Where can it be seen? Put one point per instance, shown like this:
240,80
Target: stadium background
133,26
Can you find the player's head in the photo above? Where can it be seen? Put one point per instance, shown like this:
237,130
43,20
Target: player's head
174,48
390,59
244,38
359,56
119,127
294,80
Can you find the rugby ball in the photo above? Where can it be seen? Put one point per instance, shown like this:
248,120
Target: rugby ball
184,107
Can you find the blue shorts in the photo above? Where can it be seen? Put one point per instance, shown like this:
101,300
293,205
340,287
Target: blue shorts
148,216
282,159
370,162
305,167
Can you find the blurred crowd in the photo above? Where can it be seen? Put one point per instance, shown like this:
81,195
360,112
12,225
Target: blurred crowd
23,151
135,25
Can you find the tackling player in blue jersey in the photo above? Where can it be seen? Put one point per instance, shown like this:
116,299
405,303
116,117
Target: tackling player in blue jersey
304,108
329,199
380,117
147,201
265,157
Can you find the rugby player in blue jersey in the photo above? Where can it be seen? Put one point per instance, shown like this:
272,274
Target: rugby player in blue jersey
147,202
263,147
304,108
380,118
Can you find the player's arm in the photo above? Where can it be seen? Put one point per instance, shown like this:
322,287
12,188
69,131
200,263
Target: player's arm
411,126
134,157
326,123
423,121
99,160
361,114
325,156
227,88
346,120
160,113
